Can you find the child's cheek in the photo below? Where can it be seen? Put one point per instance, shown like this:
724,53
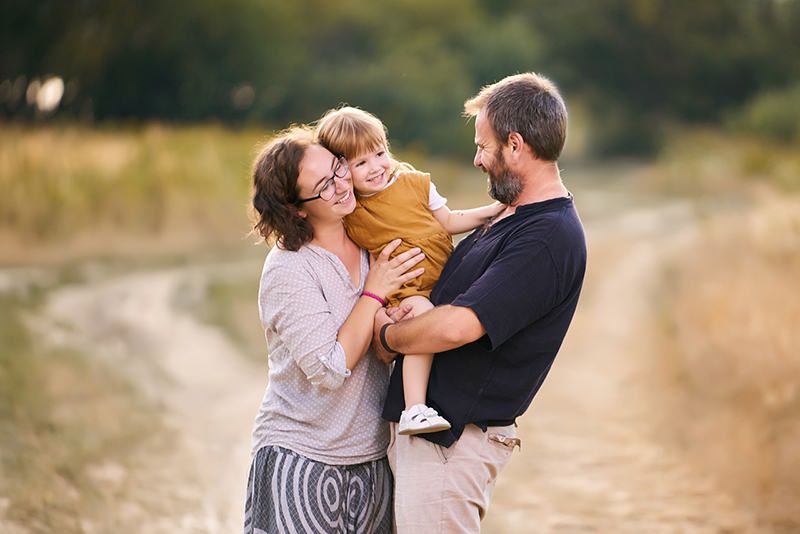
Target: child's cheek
359,182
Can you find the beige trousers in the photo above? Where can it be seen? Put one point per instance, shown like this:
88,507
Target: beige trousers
447,490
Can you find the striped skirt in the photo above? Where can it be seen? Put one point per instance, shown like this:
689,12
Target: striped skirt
287,493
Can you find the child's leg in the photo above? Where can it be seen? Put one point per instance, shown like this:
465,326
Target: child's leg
416,367
418,418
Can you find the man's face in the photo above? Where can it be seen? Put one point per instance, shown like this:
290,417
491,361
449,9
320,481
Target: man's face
504,185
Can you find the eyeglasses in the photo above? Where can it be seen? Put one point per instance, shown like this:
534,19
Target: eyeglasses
329,187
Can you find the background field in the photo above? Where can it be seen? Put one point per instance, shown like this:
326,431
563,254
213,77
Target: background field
128,275
85,205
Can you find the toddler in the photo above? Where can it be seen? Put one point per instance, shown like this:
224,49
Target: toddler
394,200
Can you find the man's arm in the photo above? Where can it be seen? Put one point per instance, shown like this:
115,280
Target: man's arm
440,329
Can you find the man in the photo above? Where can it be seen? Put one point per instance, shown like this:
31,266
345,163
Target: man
503,305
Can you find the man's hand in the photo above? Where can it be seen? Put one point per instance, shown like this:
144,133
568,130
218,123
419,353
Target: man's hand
388,316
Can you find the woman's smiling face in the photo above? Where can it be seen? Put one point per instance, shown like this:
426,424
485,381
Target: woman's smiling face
316,169
371,171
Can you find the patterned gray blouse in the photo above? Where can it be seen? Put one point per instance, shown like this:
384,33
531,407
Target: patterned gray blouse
314,405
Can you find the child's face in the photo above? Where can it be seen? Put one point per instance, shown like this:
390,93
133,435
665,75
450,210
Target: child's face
371,171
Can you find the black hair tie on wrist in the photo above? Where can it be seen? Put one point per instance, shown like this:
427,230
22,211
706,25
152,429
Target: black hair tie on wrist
383,339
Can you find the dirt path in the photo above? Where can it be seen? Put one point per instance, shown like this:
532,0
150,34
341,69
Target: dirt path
592,459
195,480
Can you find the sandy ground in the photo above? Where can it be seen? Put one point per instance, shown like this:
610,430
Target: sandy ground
193,479
593,457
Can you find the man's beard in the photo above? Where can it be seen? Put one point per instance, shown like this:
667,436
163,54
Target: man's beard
504,185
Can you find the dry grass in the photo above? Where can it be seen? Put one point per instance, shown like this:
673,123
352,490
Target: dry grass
706,162
70,426
229,303
731,314
65,422
93,190
734,348
75,192
732,310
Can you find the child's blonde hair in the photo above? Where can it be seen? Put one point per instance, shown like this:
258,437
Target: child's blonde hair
351,132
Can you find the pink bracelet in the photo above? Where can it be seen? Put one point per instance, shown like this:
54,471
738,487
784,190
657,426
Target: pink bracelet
376,297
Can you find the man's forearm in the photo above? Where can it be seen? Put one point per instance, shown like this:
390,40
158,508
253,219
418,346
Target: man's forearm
440,329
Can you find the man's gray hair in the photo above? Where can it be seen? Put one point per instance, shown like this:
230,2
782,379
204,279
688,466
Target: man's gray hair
528,104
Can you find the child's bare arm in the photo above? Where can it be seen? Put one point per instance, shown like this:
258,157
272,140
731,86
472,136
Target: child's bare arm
460,221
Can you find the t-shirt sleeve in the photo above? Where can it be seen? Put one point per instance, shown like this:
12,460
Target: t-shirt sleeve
435,200
292,305
520,286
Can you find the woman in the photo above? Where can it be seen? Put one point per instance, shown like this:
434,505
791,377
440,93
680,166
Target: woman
319,443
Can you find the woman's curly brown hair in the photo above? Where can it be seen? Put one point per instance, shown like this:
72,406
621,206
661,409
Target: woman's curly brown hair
275,172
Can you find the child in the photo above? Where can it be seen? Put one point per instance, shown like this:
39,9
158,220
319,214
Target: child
394,200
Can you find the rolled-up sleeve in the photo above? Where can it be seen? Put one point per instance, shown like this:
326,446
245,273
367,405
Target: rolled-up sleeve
294,311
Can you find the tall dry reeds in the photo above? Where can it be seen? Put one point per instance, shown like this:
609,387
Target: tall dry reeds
707,162
733,319
148,182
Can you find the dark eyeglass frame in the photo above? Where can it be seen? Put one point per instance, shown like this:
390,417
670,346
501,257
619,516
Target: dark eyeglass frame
340,171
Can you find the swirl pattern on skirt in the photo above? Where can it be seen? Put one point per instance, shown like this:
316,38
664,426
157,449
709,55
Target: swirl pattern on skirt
287,493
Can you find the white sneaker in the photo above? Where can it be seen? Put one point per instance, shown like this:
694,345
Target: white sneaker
420,419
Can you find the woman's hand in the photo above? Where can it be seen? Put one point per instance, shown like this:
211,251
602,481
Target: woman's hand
387,275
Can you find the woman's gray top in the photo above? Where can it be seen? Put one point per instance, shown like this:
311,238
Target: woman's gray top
314,405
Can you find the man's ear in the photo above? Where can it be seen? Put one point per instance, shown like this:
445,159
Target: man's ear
516,144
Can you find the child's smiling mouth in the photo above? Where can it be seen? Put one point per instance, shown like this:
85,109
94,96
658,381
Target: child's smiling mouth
377,178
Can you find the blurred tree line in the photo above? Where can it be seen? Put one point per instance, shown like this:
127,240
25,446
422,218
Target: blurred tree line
636,66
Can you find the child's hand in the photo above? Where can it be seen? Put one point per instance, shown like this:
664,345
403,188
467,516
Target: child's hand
400,313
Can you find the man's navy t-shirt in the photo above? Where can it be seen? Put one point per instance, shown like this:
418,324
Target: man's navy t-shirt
522,278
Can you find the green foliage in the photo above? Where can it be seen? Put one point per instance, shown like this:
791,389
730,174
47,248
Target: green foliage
771,114
637,64
411,62
655,61
713,165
